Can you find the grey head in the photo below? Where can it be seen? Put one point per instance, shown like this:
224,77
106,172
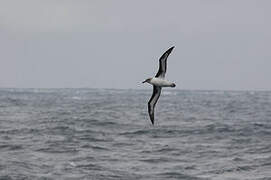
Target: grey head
147,80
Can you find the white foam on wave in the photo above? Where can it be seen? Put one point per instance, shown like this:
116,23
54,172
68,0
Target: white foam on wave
168,93
76,97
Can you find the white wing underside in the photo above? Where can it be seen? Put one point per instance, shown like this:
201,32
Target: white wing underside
152,102
163,64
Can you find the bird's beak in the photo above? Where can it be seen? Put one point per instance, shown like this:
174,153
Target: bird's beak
144,81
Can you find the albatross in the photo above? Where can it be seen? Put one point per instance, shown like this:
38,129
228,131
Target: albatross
158,82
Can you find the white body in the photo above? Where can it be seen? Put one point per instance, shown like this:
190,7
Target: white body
161,82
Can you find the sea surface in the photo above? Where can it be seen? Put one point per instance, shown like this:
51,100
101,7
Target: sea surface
106,134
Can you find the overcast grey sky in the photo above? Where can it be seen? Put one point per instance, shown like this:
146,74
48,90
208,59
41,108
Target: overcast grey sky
116,44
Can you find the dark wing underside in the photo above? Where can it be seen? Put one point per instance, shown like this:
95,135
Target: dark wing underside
163,63
152,102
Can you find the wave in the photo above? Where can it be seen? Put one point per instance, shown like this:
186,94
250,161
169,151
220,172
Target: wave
177,175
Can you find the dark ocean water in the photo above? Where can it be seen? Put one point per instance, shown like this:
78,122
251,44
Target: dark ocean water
106,134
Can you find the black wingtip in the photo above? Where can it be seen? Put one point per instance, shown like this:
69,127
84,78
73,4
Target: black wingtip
170,49
152,119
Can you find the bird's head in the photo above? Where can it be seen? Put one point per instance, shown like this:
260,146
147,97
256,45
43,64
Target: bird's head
147,80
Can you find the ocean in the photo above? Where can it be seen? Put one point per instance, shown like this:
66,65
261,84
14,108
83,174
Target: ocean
106,134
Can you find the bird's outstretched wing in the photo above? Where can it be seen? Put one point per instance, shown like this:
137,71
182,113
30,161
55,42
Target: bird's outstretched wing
152,102
163,64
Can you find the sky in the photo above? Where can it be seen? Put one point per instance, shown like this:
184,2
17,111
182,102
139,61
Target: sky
219,45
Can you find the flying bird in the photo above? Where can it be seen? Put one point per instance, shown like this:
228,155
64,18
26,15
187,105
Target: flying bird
158,82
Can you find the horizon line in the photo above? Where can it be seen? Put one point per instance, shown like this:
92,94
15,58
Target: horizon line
105,88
